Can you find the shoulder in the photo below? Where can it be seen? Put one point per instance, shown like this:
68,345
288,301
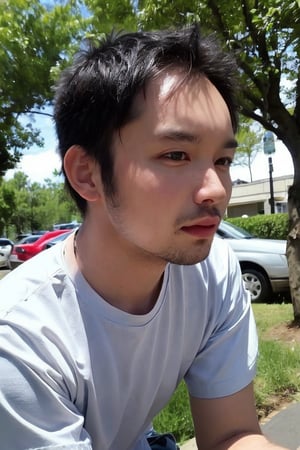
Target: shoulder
40,306
39,274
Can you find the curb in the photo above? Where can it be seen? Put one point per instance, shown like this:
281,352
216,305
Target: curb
189,445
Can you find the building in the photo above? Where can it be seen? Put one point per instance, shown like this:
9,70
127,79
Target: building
254,197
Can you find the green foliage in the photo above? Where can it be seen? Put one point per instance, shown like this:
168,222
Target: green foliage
37,37
34,43
105,16
250,142
163,13
268,226
27,207
265,39
7,204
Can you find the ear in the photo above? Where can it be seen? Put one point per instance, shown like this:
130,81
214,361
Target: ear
83,173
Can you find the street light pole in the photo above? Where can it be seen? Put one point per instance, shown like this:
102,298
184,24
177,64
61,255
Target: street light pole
269,148
272,202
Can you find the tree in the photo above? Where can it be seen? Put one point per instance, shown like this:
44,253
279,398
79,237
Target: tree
265,37
28,207
34,43
118,15
7,204
250,143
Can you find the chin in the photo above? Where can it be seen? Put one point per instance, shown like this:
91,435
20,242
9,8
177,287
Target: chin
190,261
189,258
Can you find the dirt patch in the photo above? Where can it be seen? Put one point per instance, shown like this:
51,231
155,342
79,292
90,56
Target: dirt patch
285,332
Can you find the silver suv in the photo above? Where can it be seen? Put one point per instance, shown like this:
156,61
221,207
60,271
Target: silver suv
263,262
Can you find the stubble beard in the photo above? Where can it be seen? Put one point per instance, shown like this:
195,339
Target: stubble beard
187,257
174,255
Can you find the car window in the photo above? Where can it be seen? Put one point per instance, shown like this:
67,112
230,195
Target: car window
61,237
4,242
29,239
230,231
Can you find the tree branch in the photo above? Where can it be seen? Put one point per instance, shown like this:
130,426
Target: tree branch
41,113
218,17
262,120
257,35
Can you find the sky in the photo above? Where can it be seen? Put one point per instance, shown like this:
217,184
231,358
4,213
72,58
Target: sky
39,163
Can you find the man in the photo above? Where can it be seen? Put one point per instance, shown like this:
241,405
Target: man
96,333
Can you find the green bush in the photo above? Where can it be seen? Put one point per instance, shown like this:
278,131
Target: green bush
268,226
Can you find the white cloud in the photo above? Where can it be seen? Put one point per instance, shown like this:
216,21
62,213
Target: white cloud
37,166
39,163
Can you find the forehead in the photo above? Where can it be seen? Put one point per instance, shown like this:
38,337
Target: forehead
174,97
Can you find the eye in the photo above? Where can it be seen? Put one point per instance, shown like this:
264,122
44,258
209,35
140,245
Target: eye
176,156
226,161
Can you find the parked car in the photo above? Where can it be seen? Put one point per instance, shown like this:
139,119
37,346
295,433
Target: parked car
29,239
21,236
23,252
6,246
263,262
59,238
66,226
3,261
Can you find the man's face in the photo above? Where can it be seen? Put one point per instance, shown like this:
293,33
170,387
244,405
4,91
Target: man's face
171,171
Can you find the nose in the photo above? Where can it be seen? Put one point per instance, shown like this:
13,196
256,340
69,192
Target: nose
212,188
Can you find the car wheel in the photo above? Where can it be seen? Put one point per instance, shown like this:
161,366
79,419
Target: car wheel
257,284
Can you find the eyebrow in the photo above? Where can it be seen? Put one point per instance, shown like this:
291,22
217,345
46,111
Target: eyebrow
183,136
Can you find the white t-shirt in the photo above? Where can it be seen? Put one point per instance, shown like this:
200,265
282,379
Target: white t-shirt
76,373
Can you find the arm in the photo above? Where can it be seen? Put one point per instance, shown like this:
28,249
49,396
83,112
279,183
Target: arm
35,411
228,423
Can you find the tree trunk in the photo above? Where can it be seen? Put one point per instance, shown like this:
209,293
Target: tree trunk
293,247
289,132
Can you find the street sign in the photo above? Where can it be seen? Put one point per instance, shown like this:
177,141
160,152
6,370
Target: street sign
269,143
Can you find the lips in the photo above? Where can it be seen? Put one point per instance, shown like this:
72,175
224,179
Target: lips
204,229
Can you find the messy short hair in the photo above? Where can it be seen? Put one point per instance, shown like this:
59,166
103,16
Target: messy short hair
94,96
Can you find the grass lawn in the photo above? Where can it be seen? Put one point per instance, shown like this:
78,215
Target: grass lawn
278,374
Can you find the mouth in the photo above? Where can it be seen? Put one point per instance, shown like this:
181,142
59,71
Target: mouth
203,229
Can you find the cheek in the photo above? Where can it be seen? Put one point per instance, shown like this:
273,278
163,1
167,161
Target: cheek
143,182
228,187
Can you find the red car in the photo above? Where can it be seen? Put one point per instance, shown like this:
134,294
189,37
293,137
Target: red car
23,252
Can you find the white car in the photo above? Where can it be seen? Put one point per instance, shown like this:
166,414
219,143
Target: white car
263,262
6,246
3,260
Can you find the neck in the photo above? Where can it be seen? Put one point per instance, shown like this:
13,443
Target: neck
129,284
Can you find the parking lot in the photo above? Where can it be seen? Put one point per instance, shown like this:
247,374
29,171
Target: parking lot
3,272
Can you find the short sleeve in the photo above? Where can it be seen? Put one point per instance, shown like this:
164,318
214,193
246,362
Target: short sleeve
227,361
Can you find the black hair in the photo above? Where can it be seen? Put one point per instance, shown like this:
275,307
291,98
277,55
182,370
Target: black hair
94,96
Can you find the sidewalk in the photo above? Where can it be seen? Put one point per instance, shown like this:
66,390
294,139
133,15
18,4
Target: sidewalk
282,428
